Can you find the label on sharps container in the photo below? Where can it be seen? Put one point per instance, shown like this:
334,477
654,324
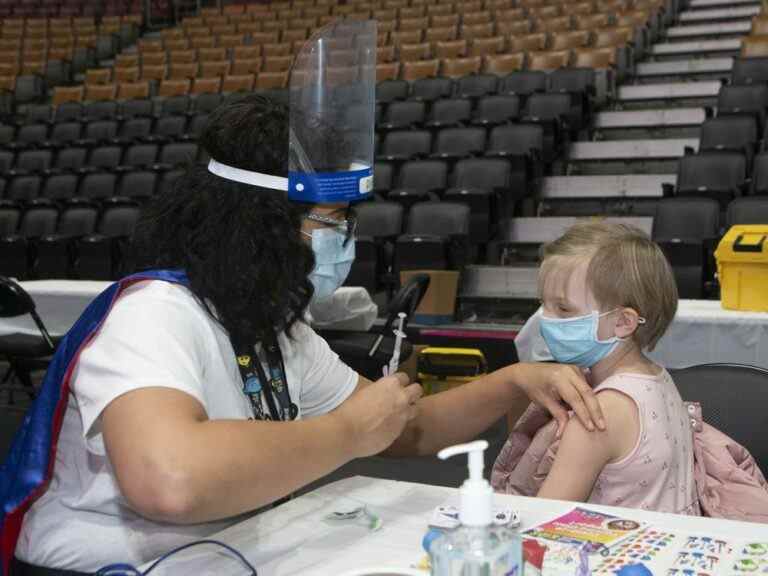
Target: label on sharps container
330,186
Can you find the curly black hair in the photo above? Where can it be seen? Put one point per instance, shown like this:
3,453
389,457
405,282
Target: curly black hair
240,245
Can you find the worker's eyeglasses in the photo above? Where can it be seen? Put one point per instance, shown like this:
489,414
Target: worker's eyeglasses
347,227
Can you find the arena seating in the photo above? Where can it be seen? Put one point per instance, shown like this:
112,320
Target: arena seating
488,111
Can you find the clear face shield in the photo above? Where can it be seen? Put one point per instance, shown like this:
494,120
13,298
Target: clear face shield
332,115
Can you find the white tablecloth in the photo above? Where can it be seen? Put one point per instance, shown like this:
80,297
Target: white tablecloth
701,333
295,539
61,302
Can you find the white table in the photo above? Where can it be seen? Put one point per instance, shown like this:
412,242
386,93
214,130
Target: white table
294,539
701,333
61,302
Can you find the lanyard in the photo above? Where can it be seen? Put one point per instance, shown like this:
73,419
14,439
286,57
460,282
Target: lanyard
256,382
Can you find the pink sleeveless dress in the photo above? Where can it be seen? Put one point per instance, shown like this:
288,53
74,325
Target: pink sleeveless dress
658,473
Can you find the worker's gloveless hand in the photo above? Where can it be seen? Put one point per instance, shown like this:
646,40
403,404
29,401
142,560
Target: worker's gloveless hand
558,388
376,414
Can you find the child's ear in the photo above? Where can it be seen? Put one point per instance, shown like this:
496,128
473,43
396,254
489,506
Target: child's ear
627,322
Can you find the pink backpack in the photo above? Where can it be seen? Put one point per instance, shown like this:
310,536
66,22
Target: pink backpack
729,482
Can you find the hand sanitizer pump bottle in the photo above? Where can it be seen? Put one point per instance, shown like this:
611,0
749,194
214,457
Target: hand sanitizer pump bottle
476,547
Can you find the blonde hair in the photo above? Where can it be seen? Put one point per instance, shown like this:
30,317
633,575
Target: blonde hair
625,269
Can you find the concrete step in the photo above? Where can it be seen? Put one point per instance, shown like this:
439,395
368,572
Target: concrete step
617,186
622,157
719,14
666,118
547,229
699,48
631,149
709,4
679,69
708,30
689,93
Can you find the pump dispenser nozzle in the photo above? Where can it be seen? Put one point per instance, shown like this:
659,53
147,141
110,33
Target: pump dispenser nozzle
476,493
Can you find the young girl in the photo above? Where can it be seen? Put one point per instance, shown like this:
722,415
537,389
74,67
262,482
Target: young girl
607,293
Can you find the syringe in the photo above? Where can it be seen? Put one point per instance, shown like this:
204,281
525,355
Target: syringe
394,362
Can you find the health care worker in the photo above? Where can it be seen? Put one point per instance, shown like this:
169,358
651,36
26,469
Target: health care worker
192,393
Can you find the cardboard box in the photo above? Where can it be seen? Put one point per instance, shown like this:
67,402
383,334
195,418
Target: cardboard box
439,303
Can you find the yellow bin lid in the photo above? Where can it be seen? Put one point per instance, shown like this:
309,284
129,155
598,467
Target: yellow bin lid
744,243
451,362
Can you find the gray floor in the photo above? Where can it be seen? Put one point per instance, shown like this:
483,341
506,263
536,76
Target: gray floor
428,470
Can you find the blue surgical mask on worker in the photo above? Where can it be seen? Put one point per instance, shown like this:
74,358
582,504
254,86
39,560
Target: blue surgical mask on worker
575,341
333,260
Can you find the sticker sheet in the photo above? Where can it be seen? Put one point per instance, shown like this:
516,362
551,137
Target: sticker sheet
751,558
653,548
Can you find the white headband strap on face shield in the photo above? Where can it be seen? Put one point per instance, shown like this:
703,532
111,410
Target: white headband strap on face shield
247,177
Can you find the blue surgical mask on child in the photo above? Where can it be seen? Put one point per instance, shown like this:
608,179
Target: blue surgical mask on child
333,260
574,340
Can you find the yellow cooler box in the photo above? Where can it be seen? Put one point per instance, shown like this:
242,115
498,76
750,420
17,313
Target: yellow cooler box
742,267
443,368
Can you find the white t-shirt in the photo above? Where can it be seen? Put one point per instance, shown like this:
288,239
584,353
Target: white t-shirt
157,334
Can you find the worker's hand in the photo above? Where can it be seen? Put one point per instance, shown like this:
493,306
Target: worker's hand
558,387
376,414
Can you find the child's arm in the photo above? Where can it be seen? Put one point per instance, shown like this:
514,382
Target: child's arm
582,455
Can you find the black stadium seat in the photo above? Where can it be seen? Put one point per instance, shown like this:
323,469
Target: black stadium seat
457,143
730,133
431,89
175,105
105,157
449,112
72,159
405,114
391,90
137,185
140,155
497,109
418,181
15,253
7,160
748,71
744,100
24,188
177,154
68,112
97,186
687,241
60,187
137,108
100,132
169,127
476,85
524,83
749,210
718,175
435,239
31,135
760,174
135,129
34,161
100,110
383,174
55,252
406,144
64,133
100,255
207,103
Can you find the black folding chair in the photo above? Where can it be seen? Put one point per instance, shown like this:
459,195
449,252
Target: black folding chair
732,398
23,352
